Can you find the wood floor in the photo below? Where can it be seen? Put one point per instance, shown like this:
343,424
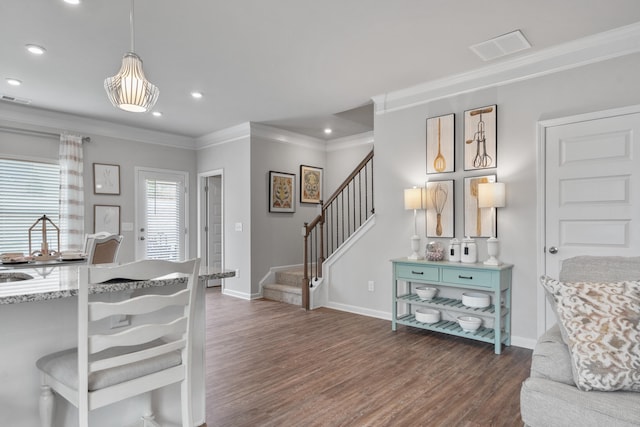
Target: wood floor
273,364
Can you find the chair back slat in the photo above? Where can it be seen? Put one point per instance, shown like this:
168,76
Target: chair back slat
137,356
137,305
136,335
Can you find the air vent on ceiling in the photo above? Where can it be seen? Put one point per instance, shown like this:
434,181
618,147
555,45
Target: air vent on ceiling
503,45
8,98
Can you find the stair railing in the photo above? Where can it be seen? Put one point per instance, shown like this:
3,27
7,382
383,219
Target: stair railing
340,216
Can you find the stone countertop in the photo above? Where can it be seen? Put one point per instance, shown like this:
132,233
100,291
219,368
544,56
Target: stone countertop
62,281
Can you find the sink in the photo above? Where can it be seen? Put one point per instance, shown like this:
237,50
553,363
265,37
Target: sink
13,277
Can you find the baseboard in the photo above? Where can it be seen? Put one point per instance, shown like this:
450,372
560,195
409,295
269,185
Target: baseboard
523,342
359,310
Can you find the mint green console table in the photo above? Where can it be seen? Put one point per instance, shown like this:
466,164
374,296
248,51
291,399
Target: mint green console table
452,279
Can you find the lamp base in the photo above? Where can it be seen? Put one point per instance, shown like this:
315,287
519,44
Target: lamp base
415,246
493,249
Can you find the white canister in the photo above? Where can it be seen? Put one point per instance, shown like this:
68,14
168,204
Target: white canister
469,252
454,250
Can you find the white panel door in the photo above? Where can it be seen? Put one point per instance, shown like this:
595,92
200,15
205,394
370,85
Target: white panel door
592,191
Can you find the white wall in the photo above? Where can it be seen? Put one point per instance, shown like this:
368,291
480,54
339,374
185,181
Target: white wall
400,163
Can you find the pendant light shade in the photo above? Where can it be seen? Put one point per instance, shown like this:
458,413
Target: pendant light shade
129,90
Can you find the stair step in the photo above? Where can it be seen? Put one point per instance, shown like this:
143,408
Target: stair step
283,293
293,277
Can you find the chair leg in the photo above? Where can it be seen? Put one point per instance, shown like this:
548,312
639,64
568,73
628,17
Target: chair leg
148,419
46,406
187,410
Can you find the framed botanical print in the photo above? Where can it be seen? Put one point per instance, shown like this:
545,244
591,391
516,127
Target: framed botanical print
441,144
310,184
282,192
477,220
106,179
106,218
480,137
440,213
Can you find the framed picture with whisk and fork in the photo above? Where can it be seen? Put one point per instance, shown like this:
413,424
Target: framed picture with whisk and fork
440,212
477,220
441,144
480,138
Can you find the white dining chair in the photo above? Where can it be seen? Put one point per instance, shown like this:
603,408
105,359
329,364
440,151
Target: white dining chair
148,354
103,248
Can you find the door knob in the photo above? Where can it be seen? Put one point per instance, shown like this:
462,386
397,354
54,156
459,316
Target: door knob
553,250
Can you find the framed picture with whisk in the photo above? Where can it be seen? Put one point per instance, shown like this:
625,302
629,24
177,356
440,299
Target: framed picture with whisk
440,212
441,144
480,138
477,220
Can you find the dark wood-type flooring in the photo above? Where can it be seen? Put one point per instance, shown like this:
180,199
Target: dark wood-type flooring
273,364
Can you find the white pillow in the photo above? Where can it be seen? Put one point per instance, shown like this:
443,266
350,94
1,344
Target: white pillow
602,326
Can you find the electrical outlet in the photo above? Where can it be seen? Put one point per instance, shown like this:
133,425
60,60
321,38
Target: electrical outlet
237,273
371,286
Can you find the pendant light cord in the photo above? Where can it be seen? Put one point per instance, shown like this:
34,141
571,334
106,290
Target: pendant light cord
131,28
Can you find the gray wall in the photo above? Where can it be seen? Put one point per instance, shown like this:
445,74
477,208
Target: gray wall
400,163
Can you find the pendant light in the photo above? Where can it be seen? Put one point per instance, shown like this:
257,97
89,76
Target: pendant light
129,90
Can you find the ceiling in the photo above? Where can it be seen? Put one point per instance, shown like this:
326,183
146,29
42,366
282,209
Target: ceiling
300,65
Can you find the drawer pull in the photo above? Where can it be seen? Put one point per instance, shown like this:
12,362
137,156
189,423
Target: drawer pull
465,277
417,272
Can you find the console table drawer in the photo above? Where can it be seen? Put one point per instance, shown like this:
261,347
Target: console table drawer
417,272
467,277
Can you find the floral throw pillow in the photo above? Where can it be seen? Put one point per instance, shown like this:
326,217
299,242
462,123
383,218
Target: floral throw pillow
602,323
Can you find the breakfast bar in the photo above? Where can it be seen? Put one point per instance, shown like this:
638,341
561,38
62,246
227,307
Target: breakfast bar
38,315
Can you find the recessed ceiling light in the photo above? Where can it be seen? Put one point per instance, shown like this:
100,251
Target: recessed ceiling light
328,131
196,95
72,1
157,113
35,49
14,82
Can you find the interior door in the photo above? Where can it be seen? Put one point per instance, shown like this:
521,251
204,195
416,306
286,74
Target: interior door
592,191
161,214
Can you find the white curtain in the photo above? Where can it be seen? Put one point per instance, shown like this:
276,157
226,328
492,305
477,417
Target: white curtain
71,193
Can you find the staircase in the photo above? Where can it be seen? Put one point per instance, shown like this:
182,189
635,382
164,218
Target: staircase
288,287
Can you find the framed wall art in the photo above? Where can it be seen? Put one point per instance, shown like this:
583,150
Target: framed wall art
106,218
477,221
441,144
282,192
480,137
440,213
106,179
310,184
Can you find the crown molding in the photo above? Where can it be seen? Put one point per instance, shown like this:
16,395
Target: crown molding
599,47
287,137
56,122
346,142
224,136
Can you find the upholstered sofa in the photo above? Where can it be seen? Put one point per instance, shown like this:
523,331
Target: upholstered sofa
550,397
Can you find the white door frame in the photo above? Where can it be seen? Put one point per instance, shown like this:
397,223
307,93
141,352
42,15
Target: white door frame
541,129
202,177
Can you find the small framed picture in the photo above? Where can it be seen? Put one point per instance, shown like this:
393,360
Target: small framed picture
106,218
310,184
480,130
106,179
477,220
440,144
282,192
440,213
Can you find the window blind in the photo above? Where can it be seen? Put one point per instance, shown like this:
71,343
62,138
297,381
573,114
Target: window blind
28,190
164,219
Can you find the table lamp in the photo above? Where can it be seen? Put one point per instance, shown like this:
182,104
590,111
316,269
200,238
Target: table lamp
413,199
492,195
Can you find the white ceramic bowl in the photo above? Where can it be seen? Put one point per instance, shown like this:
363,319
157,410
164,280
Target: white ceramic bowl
426,292
476,299
427,315
469,323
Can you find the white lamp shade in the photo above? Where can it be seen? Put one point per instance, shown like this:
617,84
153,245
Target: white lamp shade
413,198
491,195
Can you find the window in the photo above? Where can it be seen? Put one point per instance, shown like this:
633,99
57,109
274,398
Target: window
28,190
